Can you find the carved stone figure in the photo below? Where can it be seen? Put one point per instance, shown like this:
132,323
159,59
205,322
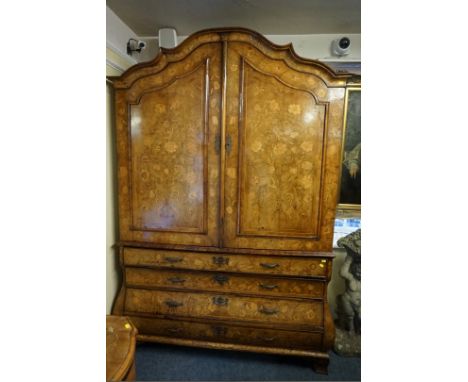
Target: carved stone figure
348,323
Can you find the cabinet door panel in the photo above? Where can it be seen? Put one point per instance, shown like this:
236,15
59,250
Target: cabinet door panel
280,158
172,166
169,161
278,129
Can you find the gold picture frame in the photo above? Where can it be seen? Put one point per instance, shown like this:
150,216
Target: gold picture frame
349,197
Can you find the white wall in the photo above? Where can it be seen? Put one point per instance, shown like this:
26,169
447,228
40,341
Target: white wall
151,51
117,35
117,61
317,46
112,271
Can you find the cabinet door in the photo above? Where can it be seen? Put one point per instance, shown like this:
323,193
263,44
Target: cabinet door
167,123
283,135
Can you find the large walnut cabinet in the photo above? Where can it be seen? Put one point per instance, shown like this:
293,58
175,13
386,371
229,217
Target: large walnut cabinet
228,167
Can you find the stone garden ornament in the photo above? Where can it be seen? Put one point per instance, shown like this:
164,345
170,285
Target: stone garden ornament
348,322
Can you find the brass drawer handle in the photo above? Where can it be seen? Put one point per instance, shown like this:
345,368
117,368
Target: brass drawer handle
174,330
176,280
268,311
268,339
268,286
269,265
220,300
173,260
220,279
173,303
220,260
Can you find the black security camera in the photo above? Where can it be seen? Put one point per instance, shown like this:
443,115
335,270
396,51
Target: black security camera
341,46
135,46
344,42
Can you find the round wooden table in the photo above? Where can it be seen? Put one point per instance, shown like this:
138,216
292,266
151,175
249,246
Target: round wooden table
120,349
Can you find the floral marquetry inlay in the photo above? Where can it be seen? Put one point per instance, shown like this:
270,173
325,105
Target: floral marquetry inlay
284,123
168,156
281,157
244,308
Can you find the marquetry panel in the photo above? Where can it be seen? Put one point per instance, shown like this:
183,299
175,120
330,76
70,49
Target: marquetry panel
283,131
319,75
287,265
223,282
226,332
169,161
220,306
167,125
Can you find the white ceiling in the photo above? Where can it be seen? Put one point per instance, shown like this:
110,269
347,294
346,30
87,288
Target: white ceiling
269,17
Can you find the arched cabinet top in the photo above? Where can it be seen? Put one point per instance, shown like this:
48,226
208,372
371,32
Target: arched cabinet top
225,36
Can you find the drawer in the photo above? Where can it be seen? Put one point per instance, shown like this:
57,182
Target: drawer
185,304
228,333
275,265
224,282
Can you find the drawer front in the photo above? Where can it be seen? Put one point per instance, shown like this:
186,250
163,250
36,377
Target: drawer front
222,282
274,265
222,306
227,333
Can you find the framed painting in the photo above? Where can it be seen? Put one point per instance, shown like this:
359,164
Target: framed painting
350,182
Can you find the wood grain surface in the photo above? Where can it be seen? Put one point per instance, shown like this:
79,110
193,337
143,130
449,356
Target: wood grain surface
120,349
224,282
228,169
223,262
224,306
226,332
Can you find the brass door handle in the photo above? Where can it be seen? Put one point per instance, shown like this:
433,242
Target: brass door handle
269,265
228,144
173,303
173,259
268,311
176,280
268,286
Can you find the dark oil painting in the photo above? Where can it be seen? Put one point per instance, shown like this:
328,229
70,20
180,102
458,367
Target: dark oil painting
351,166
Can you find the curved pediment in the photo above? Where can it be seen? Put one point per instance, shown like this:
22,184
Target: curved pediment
284,53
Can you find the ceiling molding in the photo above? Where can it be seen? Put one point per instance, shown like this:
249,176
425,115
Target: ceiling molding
130,60
115,66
